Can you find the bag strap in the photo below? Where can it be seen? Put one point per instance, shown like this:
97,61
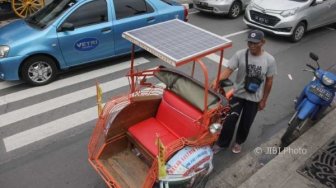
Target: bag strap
246,61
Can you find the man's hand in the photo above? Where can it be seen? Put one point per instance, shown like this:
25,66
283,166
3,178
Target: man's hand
224,75
267,90
262,104
213,84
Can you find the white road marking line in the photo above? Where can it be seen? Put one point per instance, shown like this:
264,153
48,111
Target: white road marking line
290,77
237,33
39,108
7,84
45,106
49,129
68,81
215,58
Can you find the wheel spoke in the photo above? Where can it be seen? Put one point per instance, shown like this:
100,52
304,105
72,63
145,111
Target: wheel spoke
37,2
44,77
35,77
34,9
32,71
18,4
24,8
29,11
19,8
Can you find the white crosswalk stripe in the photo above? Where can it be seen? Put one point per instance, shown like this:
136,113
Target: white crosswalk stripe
55,103
67,82
43,131
4,85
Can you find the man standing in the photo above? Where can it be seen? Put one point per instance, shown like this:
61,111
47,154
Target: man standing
251,90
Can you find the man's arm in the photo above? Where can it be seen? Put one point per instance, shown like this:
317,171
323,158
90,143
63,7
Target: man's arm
267,90
225,74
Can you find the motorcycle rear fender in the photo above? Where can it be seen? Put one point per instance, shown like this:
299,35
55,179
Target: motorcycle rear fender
306,108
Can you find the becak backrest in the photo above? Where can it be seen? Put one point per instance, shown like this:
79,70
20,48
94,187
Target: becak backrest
178,116
189,89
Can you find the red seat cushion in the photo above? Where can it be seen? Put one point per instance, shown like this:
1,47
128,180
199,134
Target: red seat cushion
175,119
146,133
179,116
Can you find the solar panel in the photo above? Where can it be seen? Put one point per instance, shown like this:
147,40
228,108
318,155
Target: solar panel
176,41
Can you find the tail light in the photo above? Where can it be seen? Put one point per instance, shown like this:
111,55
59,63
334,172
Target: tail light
185,12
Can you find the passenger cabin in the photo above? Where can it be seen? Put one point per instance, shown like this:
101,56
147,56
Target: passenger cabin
132,133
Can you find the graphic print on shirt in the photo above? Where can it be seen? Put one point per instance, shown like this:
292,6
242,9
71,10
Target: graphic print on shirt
255,71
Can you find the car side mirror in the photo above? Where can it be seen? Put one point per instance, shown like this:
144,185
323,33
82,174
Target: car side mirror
66,26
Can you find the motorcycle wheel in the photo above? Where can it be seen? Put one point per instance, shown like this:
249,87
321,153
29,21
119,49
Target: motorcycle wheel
292,132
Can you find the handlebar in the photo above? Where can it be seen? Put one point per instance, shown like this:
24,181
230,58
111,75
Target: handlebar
310,66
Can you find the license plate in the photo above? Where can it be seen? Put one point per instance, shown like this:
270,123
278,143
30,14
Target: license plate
261,19
321,92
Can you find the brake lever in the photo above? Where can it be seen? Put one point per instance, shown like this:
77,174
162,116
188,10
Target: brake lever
308,70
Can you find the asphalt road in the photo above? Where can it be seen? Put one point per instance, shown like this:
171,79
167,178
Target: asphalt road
44,131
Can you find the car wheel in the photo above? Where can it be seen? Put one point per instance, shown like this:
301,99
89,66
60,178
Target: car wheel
235,10
298,32
39,70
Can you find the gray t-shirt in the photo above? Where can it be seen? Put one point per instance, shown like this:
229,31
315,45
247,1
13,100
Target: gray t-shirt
262,66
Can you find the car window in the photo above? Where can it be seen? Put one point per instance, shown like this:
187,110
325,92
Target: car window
128,8
91,13
50,12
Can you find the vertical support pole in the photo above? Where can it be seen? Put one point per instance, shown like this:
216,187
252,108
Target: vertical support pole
132,70
193,69
206,84
220,67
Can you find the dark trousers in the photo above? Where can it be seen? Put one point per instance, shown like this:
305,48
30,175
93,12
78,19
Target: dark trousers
247,110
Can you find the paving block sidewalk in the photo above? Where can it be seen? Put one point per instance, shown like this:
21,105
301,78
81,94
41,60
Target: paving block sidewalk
263,169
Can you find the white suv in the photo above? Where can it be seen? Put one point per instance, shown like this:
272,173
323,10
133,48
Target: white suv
290,18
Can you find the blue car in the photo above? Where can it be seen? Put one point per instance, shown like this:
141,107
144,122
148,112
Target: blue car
68,33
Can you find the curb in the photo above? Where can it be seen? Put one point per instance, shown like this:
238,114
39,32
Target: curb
248,165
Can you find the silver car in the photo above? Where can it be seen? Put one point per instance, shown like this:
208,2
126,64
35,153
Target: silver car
230,7
290,18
